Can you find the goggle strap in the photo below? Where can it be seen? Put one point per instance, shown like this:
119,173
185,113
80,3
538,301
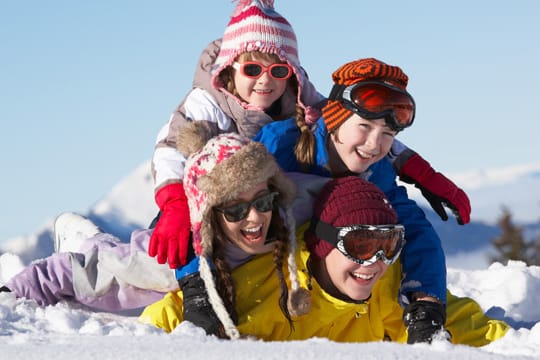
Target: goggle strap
326,232
336,92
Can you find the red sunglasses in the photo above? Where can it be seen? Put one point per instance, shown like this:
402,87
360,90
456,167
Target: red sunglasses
375,100
254,70
364,244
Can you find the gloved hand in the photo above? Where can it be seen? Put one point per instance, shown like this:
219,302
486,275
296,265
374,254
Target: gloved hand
438,190
196,305
170,239
423,320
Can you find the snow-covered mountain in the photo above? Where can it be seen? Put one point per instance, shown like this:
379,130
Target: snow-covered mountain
130,205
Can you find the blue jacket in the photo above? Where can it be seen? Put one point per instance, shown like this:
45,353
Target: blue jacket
422,258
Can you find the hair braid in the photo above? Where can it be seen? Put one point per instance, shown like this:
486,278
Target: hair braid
281,236
305,145
225,283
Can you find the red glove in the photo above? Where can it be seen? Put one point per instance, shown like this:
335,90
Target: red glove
438,190
170,238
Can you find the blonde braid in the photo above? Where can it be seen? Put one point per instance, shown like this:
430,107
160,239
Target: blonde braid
305,145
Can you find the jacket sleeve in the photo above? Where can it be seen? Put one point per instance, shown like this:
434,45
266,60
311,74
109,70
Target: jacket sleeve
398,148
423,260
280,137
167,162
166,313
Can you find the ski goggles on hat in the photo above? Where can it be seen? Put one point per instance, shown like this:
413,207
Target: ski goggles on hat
364,244
254,70
239,211
375,100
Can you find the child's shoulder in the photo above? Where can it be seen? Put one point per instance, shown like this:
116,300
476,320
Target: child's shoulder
199,104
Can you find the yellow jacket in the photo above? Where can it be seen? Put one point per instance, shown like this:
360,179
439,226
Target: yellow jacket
378,319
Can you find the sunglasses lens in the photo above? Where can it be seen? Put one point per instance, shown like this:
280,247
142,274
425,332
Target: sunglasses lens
378,99
237,212
264,203
363,244
252,70
280,71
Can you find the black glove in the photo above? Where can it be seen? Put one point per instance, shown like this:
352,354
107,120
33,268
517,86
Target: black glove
197,307
423,319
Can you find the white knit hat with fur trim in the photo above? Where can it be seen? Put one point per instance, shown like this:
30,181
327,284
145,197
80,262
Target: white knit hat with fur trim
217,171
256,26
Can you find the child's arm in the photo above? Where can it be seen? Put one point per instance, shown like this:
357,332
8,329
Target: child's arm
436,188
170,239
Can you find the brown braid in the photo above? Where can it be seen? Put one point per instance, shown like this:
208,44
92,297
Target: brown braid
224,280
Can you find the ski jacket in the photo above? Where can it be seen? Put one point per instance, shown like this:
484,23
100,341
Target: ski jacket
222,112
378,319
423,259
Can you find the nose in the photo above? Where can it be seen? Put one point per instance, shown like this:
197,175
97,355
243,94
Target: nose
253,215
265,77
373,140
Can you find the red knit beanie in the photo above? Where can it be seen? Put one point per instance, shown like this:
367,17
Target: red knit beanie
348,201
370,69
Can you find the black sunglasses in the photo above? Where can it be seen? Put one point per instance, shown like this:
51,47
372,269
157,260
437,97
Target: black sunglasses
238,212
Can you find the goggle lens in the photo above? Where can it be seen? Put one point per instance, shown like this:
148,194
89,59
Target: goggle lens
238,212
378,99
253,69
365,245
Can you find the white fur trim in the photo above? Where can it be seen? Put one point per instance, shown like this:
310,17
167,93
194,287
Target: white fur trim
216,301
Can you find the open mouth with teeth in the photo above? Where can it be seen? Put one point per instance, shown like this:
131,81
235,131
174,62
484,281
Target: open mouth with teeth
362,277
364,155
262,91
252,234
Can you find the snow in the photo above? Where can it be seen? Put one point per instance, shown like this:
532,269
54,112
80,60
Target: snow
66,331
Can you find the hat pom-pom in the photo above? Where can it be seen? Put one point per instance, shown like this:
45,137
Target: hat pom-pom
299,302
311,115
193,136
242,4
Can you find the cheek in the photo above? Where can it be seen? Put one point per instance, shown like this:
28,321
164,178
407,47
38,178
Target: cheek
281,86
267,217
241,84
336,264
351,134
227,227
386,144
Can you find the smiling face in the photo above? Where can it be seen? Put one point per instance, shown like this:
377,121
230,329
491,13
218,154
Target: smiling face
261,92
351,279
249,234
358,143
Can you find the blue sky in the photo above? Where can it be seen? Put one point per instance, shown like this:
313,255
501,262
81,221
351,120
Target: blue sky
86,85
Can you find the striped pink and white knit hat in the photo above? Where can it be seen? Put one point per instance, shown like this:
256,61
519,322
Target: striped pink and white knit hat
256,26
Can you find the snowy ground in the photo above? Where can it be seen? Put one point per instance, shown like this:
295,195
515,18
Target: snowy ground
67,331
